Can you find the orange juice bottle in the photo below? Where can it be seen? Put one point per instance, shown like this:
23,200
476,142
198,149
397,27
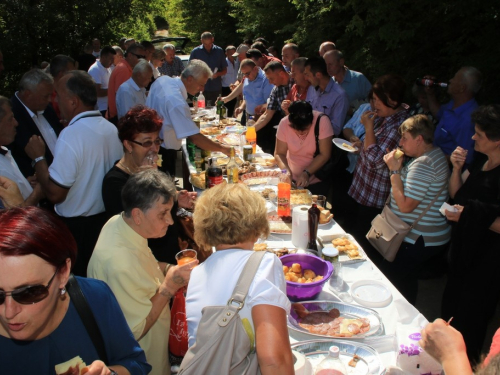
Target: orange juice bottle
284,188
251,134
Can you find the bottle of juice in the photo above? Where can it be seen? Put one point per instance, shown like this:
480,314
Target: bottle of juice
251,134
232,169
201,100
331,365
284,188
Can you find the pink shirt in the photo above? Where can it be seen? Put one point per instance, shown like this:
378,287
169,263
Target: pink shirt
301,153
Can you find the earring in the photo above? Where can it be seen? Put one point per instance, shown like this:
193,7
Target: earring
63,291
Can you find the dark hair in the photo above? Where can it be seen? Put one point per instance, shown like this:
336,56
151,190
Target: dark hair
487,119
301,115
299,62
144,188
261,47
139,119
253,53
82,85
147,44
206,35
390,86
107,50
34,231
317,65
133,48
261,40
59,64
274,66
248,42
248,62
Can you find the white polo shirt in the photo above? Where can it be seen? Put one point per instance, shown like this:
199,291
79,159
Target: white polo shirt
9,169
129,95
168,97
101,77
85,151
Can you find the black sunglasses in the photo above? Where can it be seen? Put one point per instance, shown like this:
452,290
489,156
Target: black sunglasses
138,56
148,144
28,295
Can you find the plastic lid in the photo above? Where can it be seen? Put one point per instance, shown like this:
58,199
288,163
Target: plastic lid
330,251
334,351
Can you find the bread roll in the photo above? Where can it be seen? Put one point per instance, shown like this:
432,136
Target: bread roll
398,154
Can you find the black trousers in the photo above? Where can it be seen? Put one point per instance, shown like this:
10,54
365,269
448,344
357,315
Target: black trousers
231,104
86,230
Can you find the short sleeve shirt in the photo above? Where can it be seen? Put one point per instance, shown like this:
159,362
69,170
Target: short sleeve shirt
101,75
215,58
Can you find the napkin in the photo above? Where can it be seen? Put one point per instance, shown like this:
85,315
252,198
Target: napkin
300,227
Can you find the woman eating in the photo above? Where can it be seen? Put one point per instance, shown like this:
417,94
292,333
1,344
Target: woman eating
296,146
39,324
231,218
142,285
157,60
473,286
413,187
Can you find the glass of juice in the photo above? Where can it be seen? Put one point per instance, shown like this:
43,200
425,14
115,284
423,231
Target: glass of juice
186,256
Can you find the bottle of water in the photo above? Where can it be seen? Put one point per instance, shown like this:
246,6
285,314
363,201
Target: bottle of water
201,100
331,365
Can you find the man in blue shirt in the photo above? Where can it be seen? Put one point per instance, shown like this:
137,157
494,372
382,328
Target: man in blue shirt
455,127
215,58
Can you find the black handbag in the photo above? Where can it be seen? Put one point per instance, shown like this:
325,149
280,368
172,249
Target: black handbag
338,159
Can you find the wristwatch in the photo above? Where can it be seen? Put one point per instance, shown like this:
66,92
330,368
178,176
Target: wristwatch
113,372
40,158
307,172
394,172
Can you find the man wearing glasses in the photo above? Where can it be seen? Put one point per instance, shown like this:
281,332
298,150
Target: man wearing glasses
120,74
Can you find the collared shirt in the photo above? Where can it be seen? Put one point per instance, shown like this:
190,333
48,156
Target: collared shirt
172,70
359,131
215,59
120,74
129,95
48,133
294,94
85,151
456,128
256,92
356,86
167,96
333,102
278,94
371,183
9,169
231,74
101,77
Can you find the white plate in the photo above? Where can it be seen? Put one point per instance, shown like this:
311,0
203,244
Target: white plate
339,143
371,293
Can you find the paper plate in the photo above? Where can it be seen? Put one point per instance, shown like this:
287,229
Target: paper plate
339,142
371,293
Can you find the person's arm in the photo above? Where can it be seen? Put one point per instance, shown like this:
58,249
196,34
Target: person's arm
280,155
55,193
10,195
457,178
35,196
100,91
495,227
238,90
220,73
264,119
271,339
368,121
239,109
447,346
207,144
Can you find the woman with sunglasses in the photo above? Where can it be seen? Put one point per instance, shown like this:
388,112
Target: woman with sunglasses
139,133
39,325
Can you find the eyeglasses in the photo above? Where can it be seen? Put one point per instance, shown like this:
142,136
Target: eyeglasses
148,144
247,73
28,295
138,56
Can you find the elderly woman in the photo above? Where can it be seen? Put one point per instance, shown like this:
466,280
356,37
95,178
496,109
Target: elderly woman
157,60
39,324
139,132
231,218
413,187
296,146
142,285
475,239
371,182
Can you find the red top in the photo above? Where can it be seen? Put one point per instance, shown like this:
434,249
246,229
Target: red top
121,73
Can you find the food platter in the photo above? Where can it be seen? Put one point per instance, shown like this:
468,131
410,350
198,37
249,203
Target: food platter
264,160
343,256
346,311
231,139
315,350
344,145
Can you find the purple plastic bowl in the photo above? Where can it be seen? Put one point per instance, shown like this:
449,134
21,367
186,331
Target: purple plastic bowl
302,292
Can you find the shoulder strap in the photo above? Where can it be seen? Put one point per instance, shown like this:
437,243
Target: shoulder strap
242,285
87,317
429,206
316,133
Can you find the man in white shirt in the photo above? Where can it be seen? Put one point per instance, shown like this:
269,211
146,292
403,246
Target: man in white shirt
168,97
8,167
35,116
100,72
85,151
96,47
133,91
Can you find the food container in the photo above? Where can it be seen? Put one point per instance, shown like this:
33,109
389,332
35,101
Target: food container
330,254
308,291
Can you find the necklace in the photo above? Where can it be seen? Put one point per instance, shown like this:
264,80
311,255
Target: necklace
125,167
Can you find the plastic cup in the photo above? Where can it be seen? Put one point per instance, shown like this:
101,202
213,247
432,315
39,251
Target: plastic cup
186,256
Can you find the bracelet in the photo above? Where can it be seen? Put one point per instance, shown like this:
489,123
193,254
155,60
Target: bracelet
113,372
36,160
395,172
307,172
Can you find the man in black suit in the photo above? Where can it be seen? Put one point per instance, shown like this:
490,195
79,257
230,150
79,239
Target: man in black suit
35,117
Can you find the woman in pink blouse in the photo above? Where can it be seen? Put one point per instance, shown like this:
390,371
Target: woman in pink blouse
296,146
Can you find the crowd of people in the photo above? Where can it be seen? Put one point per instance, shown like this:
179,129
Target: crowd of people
90,142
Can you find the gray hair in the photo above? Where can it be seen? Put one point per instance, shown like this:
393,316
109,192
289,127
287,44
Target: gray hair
31,79
82,85
299,62
142,67
169,46
59,64
196,69
3,101
144,188
118,50
472,78
336,53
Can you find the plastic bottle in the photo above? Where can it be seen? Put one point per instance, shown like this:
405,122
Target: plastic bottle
214,174
430,83
331,365
201,100
251,134
232,169
284,188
